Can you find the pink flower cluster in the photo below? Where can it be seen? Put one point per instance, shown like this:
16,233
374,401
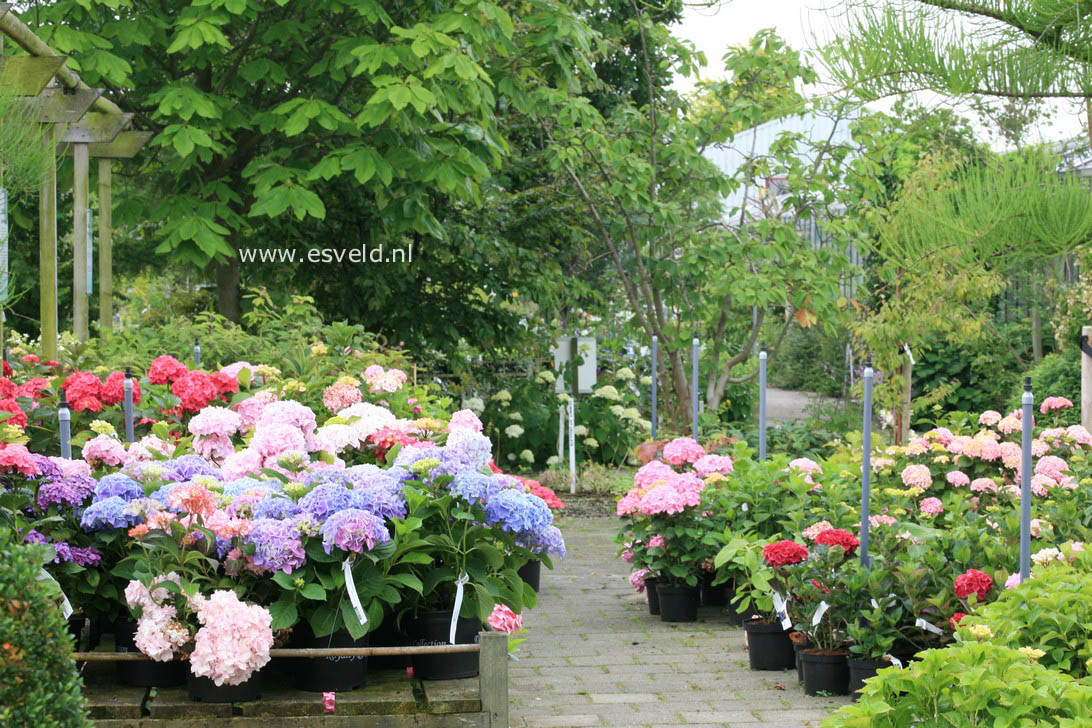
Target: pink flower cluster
1054,403
957,478
213,428
1054,468
234,641
379,380
637,579
931,506
652,472
159,634
503,619
15,457
917,476
103,450
815,529
709,464
683,450
341,394
807,466
656,542
465,420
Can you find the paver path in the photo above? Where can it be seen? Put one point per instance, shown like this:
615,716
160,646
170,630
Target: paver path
783,405
595,657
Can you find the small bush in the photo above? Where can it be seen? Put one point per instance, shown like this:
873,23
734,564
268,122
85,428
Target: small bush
39,685
969,684
1057,375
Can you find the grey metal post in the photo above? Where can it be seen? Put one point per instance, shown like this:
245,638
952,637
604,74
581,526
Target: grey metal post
129,436
90,253
197,353
655,357
866,463
762,405
64,418
1025,481
694,389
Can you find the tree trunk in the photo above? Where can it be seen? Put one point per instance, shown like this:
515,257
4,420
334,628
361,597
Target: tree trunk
227,290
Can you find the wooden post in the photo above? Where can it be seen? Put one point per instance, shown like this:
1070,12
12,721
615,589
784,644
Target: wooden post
47,249
493,677
1086,379
106,251
80,184
907,372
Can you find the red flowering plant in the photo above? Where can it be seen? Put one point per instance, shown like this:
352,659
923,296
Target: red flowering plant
817,600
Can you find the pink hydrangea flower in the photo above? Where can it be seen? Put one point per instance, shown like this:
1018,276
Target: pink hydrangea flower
984,485
234,640
667,500
931,506
940,434
288,412
213,448
71,468
637,579
881,520
215,421
241,463
709,464
656,542
192,498
465,420
958,444
989,418
1054,403
917,476
807,465
652,472
275,438
815,529
1053,467
917,446
957,478
103,450
1039,448
683,450
1078,434
341,394
232,370
503,619
988,449
1009,424
1041,484
1013,581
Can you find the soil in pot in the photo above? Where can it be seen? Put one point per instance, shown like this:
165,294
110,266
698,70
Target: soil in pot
769,646
531,572
432,628
324,674
678,603
204,690
861,670
147,674
715,596
653,596
825,671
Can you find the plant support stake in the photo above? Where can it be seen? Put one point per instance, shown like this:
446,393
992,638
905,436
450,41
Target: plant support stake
128,386
1026,424
90,254
197,353
694,388
655,356
64,419
762,405
572,445
866,462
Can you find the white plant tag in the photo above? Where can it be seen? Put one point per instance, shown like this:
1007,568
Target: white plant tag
66,606
894,661
780,606
459,584
818,616
350,586
928,626
744,507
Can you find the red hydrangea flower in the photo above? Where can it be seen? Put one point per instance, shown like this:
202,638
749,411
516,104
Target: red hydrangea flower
225,385
31,359
52,363
32,388
839,537
166,370
195,389
784,552
8,371
820,587
18,417
113,390
83,390
973,581
956,619
547,494
7,388
387,437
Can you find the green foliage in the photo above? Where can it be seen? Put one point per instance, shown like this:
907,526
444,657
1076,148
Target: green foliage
970,378
1057,375
1049,612
39,684
969,684
22,146
811,360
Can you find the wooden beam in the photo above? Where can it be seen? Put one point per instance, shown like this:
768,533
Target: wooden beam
493,677
47,249
80,185
125,145
58,106
27,75
4,8
95,127
18,31
106,250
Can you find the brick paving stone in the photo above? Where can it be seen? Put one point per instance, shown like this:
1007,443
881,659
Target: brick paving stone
595,657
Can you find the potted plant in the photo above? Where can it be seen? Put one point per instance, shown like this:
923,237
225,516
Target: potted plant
767,567
879,631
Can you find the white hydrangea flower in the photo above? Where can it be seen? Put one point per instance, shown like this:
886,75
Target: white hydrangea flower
513,431
552,460
475,404
527,456
632,413
563,397
608,392
545,377
580,430
624,374
503,396
617,410
591,443
646,381
1045,556
515,416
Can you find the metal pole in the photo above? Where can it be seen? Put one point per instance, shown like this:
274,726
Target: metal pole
655,357
64,418
129,436
762,405
1025,481
47,246
1086,378
106,250
572,445
694,388
197,353
90,256
866,462
80,167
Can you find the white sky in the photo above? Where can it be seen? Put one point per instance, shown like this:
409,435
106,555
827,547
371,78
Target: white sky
806,24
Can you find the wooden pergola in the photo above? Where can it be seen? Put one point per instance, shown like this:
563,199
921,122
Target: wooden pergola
82,122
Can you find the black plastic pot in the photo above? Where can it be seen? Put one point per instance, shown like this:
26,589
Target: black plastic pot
826,673
337,674
769,646
799,647
736,614
653,596
861,670
204,690
531,572
715,596
388,634
75,628
678,603
431,628
147,674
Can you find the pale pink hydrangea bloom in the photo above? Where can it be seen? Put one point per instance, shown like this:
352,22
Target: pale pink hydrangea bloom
1009,424
879,463
627,556
1041,484
337,437
241,463
709,464
1011,455
465,419
656,542
272,439
683,450
637,579
1078,434
1054,403
234,640
288,412
103,450
142,449
958,444
71,468
1039,448
815,529
232,370
503,619
931,506
341,394
227,526
957,478
158,634
989,418
1038,525
1013,581
880,520
251,408
917,476
917,446
652,472
989,450
983,485
941,434
1053,467
213,448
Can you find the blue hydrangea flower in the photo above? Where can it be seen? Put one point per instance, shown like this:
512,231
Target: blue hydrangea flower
517,511
400,474
276,507
354,530
120,485
325,499
410,454
383,501
277,545
547,541
242,485
473,487
369,476
185,467
162,492
327,475
106,513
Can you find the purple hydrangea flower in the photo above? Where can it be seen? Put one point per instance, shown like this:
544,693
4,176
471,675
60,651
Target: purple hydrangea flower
242,485
47,469
354,530
383,501
120,485
517,511
327,475
410,454
473,487
106,513
85,556
184,468
71,491
63,551
325,499
370,476
277,545
471,447
276,507
547,541
33,536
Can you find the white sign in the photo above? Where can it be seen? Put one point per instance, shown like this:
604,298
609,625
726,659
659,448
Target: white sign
585,347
